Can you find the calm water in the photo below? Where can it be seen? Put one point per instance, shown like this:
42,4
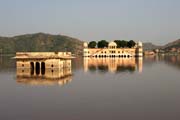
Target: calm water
126,89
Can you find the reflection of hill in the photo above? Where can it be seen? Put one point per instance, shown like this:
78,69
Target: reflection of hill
6,63
44,81
172,60
149,60
113,64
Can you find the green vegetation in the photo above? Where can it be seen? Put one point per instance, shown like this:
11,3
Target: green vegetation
124,44
40,42
92,44
120,44
131,44
102,44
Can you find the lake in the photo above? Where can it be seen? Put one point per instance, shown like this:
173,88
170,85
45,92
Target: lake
118,89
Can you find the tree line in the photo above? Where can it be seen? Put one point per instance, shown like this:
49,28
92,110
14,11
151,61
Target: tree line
104,44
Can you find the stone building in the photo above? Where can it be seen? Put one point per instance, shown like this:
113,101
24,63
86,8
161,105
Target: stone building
43,64
113,51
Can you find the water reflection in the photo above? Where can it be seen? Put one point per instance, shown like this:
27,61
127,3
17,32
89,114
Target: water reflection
173,60
6,63
169,60
43,81
113,64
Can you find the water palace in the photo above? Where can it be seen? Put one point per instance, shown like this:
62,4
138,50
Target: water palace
50,65
113,51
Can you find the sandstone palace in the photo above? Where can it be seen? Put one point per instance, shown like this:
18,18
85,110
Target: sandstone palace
113,51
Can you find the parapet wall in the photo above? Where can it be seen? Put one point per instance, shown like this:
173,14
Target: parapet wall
21,55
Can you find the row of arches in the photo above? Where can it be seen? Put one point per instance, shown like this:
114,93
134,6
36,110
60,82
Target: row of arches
104,56
37,68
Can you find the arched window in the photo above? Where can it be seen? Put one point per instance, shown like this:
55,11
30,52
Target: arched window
32,68
37,68
43,68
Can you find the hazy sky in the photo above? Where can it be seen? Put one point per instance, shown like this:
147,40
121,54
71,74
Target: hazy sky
156,21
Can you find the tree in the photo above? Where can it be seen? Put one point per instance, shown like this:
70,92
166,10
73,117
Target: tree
92,44
124,43
118,42
131,44
102,44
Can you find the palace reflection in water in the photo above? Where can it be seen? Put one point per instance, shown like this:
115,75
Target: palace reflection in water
57,77
114,64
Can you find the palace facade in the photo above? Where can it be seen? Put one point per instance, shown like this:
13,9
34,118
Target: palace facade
113,51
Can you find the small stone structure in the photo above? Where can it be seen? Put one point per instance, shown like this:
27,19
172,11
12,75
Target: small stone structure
43,64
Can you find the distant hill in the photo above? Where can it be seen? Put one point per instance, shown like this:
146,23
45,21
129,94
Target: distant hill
174,44
150,46
40,42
